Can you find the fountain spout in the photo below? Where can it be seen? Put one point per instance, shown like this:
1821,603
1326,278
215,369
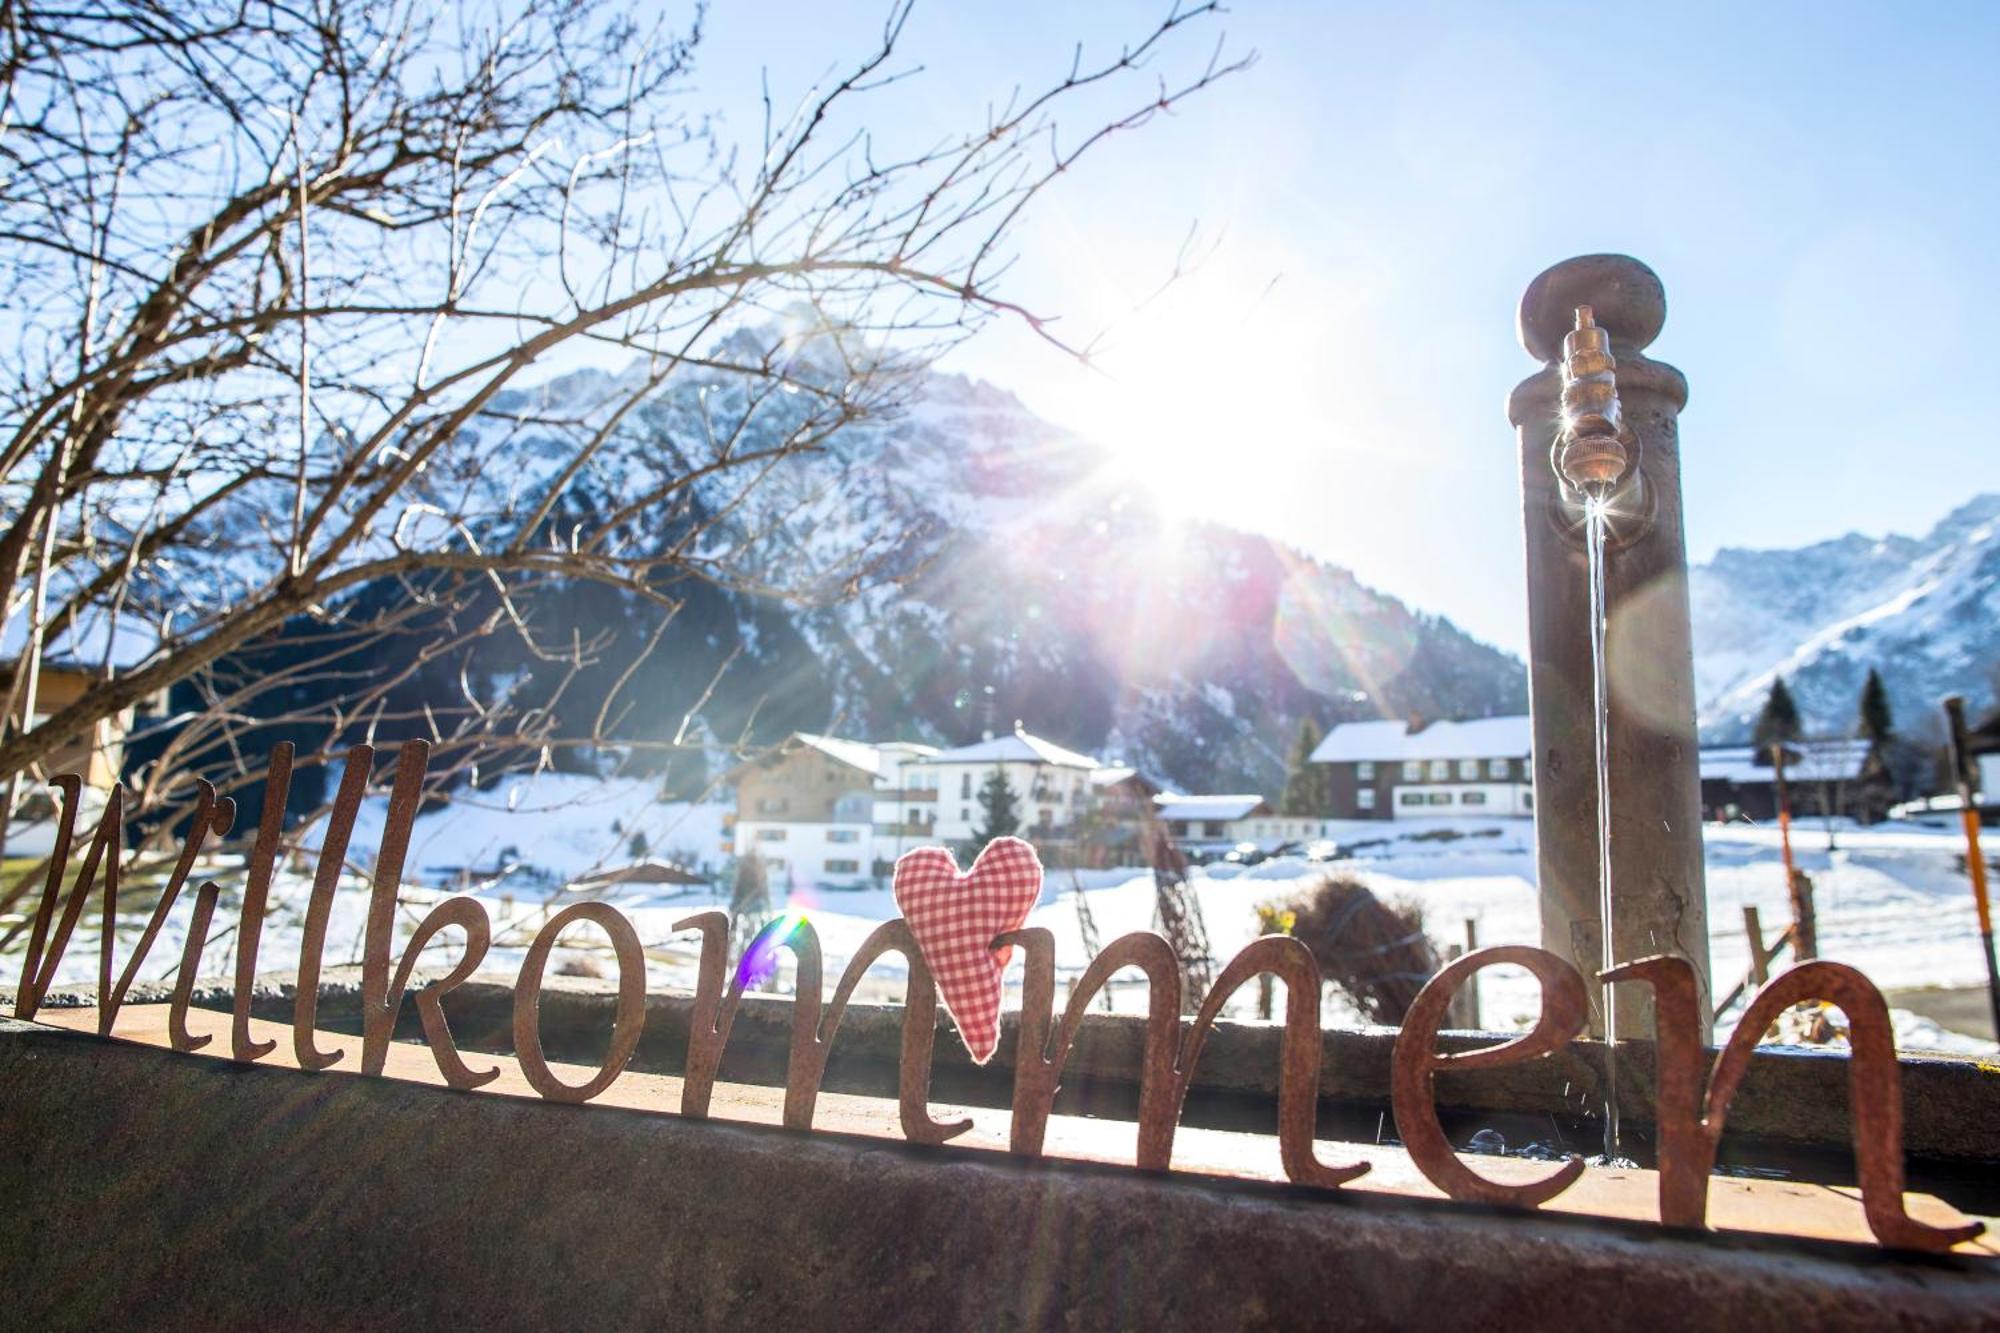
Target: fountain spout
1590,448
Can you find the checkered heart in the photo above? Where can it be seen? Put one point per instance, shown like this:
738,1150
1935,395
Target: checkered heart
955,917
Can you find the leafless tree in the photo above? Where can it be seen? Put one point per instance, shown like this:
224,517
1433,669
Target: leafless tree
285,284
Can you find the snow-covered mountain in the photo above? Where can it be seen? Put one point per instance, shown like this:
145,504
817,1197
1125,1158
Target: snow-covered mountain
1012,574
1925,611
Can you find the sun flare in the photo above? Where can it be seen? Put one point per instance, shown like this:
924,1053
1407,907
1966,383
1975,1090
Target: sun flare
1209,395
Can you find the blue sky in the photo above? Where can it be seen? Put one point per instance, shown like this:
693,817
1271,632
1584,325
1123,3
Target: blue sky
1816,184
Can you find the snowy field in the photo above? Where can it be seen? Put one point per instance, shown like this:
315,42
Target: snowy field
1891,899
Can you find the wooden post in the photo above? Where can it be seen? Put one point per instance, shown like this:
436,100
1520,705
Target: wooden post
1458,1015
1975,861
1463,1011
1760,963
1761,958
1798,886
1805,918
1471,988
1659,893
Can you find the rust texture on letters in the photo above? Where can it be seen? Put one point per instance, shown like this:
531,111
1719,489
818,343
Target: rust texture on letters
626,1023
1415,1063
1692,1109
1692,1105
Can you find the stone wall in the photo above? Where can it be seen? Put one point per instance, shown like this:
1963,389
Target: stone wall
158,1191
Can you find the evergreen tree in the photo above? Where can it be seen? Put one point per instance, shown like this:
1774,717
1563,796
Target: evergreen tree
1878,723
1778,724
1305,781
998,809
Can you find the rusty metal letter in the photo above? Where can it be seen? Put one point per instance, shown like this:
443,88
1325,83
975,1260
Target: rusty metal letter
256,894
706,1037
46,948
326,877
711,1026
1038,1071
469,915
626,1024
178,1035
29,998
920,1004
1298,1083
210,816
106,849
1414,1066
1691,1122
379,1003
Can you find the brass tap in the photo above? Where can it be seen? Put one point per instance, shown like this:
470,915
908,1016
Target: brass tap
1590,455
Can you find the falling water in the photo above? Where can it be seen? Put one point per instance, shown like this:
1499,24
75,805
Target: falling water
1595,517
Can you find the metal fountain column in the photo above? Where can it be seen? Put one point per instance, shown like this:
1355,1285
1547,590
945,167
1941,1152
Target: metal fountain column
1659,894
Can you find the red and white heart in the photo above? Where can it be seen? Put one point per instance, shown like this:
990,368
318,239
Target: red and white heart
955,917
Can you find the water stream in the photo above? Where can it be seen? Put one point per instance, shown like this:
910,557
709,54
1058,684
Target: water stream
1595,520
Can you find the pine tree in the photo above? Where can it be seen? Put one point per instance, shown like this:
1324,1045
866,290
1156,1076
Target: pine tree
1305,781
998,808
1878,723
1778,724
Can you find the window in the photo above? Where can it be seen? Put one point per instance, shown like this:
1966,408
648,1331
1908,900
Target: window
1527,800
1212,829
1409,798
841,867
1365,798
1499,768
843,835
771,835
1468,769
1412,771
964,814
772,805
1046,817
964,785
1472,798
1365,771
1439,798
1440,770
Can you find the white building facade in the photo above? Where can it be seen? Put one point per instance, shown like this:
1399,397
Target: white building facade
1051,785
1396,770
826,812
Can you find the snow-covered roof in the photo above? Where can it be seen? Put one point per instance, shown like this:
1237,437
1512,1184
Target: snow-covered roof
1385,742
1208,807
1112,775
1018,748
855,754
1818,761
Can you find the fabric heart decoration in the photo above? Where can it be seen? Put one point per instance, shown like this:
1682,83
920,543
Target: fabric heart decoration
954,918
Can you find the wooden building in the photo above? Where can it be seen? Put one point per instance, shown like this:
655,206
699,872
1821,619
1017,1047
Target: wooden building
1824,778
98,754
